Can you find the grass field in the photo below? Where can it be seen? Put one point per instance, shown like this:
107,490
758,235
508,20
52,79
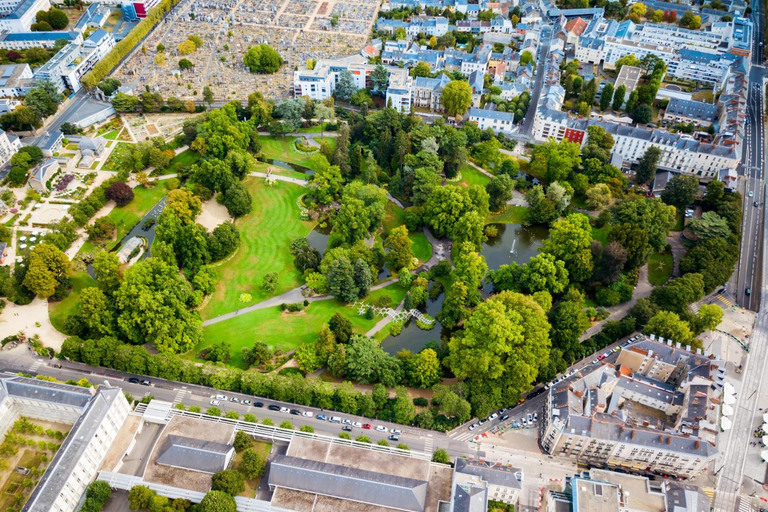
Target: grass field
395,216
281,148
59,311
264,167
512,215
660,267
127,216
601,234
288,330
471,176
266,235
314,128
182,160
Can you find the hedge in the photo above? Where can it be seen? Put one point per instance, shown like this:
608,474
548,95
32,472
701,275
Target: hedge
124,47
83,211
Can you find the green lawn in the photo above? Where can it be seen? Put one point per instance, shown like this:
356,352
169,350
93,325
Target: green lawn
59,311
601,234
262,448
471,176
512,215
266,235
117,158
281,148
264,167
660,267
111,135
394,217
184,159
314,128
679,220
288,330
127,216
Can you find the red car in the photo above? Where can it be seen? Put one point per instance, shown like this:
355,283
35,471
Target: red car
367,426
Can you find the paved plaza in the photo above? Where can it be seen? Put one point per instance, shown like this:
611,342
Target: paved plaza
299,30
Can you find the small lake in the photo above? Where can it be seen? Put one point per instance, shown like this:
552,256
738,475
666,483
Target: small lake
318,238
413,338
139,230
514,243
286,165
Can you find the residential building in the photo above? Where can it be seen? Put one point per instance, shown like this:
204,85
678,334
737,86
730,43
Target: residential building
500,122
654,411
139,8
429,25
8,147
477,61
67,67
50,143
427,92
555,124
574,29
23,40
629,76
15,80
688,111
589,49
399,89
95,16
97,416
496,482
21,16
42,173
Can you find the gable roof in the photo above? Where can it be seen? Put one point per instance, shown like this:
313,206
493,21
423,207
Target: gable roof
348,483
576,26
194,454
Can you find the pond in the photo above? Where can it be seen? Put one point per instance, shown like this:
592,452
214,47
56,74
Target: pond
287,165
318,238
139,230
413,338
513,243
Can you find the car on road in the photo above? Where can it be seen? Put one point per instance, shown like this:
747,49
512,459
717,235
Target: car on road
505,417
285,409
535,416
473,426
235,399
530,418
346,428
757,203
367,426
522,420
381,428
296,412
482,422
601,357
493,417
397,431
595,361
347,421
308,414
357,424
748,291
616,349
215,402
393,437
750,193
145,383
221,397
321,417
258,404
245,402
274,407
133,380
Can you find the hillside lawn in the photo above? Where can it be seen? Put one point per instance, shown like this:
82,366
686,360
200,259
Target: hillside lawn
186,158
660,267
59,311
281,148
471,176
288,331
511,215
265,235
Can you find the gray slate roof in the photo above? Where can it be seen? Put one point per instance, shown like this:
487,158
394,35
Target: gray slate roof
348,483
469,498
502,476
194,454
45,391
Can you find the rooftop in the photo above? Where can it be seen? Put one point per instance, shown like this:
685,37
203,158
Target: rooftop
194,454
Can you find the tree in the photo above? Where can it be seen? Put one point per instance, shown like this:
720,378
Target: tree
256,355
470,270
120,193
598,197
139,496
629,59
242,441
341,328
43,100
352,222
642,114
555,160
669,326
570,240
499,191
454,306
541,210
544,273
422,69
48,268
634,239
238,200
185,64
526,58
403,408
262,59
269,282
441,456
707,318
124,102
606,96
423,369
106,267
681,190
364,358
652,215
715,193
379,79
398,245
207,95
109,85
218,501
618,97
456,97
229,481
307,358
713,258
341,282
252,464
611,262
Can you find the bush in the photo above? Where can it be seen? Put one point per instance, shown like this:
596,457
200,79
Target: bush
228,481
286,425
172,184
420,402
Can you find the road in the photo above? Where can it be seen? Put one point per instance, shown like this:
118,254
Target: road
78,101
20,359
526,129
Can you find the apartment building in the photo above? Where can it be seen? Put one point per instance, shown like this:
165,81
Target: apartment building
20,15
97,417
9,146
24,40
429,25
500,122
15,80
555,124
688,111
66,68
481,481
602,415
427,92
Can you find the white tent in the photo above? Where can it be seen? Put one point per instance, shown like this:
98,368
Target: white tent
764,455
729,399
765,418
725,423
729,389
765,427
727,410
765,440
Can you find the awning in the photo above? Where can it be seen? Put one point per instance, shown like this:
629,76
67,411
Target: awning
727,410
725,423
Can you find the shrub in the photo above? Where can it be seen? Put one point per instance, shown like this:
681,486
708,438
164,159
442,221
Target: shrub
286,425
420,401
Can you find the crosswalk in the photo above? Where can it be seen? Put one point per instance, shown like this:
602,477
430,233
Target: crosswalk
745,504
180,395
725,301
465,435
710,492
428,444
37,364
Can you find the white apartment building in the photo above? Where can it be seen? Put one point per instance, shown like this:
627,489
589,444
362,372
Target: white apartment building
7,148
482,481
477,61
19,16
97,415
66,68
15,80
429,25
679,153
24,40
589,49
558,125
499,122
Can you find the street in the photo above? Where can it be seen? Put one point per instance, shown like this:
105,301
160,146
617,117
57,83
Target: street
527,127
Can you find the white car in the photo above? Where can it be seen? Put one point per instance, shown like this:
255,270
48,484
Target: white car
396,431
215,402
346,421
381,428
308,414
221,397
750,193
493,416
285,409
357,424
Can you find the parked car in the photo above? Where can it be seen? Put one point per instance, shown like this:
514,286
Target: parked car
750,193
367,426
397,431
381,428
347,421
357,424
296,412
334,419
133,380
473,426
594,361
346,428
215,402
493,417
259,404
757,203
245,402
274,407
601,357
393,437
285,409
530,418
321,417
235,399
505,417
145,383
308,414
535,416
221,397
